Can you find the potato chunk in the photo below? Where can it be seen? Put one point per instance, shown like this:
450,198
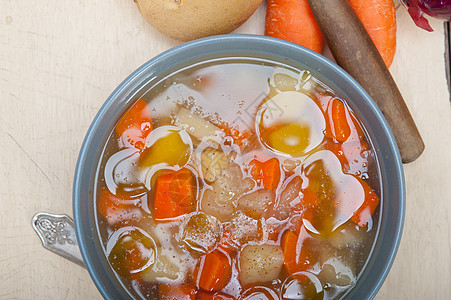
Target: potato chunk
195,125
201,233
256,203
260,263
212,161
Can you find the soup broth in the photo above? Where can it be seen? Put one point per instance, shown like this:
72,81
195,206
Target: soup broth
238,179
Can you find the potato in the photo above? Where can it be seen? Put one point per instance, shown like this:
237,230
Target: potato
256,203
213,161
197,126
191,19
260,263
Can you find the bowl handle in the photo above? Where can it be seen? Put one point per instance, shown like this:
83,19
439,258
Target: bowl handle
57,233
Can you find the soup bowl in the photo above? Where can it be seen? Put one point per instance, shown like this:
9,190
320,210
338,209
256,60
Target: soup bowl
389,228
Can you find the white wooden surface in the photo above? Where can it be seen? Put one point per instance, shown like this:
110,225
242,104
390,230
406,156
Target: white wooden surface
59,60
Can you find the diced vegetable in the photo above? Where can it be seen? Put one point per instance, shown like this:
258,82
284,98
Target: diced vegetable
213,162
219,201
297,255
135,125
339,126
132,253
201,233
195,125
243,230
168,266
214,271
168,145
260,263
175,195
267,172
114,208
363,215
177,292
256,203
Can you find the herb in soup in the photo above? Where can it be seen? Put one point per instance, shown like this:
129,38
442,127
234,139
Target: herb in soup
238,180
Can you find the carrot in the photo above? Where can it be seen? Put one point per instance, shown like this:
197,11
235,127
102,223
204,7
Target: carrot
135,125
214,271
297,256
340,127
267,172
289,245
379,19
114,208
174,195
292,20
178,292
363,214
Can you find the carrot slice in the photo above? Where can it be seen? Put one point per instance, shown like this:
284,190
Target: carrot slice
174,195
341,129
214,271
177,292
297,255
364,213
379,19
114,208
293,20
135,125
289,245
267,172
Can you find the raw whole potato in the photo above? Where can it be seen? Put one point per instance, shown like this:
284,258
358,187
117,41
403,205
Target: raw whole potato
191,19
260,263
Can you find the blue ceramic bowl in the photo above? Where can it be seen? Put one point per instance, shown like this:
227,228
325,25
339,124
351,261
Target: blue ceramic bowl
256,47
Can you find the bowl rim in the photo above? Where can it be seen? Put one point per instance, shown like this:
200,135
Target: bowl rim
131,84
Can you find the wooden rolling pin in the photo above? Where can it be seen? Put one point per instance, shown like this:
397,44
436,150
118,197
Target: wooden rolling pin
355,52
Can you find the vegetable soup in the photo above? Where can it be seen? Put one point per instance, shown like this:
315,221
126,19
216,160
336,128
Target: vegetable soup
238,179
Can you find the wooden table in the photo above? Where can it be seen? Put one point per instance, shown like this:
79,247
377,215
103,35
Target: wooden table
59,61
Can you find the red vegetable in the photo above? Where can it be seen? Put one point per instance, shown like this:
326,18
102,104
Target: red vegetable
292,20
214,271
115,208
379,19
174,195
267,172
297,255
363,214
135,125
179,292
440,9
